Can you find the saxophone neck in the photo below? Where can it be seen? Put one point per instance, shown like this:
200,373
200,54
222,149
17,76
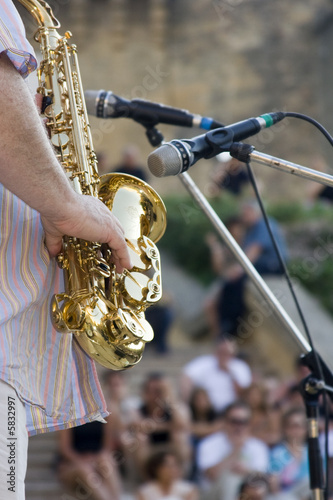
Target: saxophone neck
42,12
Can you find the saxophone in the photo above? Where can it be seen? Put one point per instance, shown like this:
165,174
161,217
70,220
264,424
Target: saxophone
103,309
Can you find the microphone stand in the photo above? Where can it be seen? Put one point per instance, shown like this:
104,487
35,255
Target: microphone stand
313,386
243,260
311,390
246,153
321,377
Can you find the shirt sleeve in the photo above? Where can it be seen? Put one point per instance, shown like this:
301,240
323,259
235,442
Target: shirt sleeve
212,450
13,41
260,457
197,368
240,372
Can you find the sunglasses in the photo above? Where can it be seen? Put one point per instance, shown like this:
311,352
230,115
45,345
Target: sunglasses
238,421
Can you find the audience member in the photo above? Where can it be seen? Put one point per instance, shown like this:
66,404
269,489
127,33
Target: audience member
266,418
293,397
160,316
289,465
230,174
226,458
222,375
226,439
257,242
85,461
123,412
204,421
259,249
130,163
275,388
164,480
290,394
221,259
322,441
254,487
163,422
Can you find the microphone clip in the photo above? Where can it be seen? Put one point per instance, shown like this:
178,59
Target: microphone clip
220,140
241,151
155,137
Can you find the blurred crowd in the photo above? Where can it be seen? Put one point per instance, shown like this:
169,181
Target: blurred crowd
218,431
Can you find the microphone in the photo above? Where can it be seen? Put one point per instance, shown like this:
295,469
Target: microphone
105,104
175,157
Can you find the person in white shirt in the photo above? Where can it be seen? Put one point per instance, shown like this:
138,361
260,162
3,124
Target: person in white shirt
221,374
226,458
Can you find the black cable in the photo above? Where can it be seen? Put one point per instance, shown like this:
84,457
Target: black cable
326,451
314,122
299,310
278,253
329,137
287,276
280,258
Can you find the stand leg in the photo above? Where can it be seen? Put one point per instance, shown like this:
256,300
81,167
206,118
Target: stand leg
311,393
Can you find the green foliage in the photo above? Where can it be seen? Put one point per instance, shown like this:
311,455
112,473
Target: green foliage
290,212
317,278
187,227
287,212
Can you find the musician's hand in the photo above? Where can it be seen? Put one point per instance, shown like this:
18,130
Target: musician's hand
91,220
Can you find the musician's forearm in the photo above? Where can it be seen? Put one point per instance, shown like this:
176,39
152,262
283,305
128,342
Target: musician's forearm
28,165
29,169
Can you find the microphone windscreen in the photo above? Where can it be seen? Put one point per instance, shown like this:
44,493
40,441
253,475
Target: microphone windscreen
92,97
164,161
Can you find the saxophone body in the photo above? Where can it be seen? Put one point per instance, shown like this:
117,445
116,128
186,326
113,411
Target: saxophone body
103,309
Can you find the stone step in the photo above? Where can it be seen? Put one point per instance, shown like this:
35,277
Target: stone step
265,334
42,442
55,495
42,487
41,480
40,472
42,457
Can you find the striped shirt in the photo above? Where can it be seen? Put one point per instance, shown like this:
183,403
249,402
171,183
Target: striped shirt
55,379
13,41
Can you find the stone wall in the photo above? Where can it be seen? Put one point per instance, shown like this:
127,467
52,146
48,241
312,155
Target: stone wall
230,59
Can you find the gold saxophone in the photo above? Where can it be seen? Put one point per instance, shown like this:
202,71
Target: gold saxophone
103,309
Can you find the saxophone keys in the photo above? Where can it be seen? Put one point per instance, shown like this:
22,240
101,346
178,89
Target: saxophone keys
152,253
148,332
134,286
128,321
154,292
137,325
67,314
101,267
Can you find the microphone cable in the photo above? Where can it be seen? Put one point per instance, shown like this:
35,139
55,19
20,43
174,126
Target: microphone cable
287,277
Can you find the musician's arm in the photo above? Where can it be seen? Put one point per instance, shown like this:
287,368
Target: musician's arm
30,170
28,165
